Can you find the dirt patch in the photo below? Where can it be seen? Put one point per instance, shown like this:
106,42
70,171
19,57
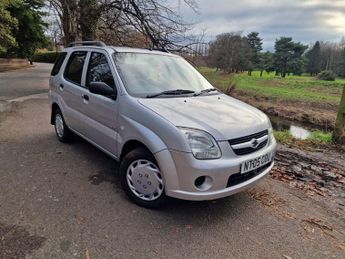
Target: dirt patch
106,175
16,242
316,114
316,174
266,198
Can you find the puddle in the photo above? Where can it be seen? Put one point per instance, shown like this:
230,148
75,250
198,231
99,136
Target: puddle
106,175
296,130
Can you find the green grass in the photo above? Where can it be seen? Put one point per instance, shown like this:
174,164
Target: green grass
300,88
316,137
322,137
283,137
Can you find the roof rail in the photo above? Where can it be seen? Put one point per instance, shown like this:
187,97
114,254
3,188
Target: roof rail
159,49
86,43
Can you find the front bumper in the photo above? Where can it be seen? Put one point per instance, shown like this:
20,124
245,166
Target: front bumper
180,170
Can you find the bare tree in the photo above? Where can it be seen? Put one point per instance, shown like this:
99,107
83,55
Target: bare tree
68,13
156,21
330,53
230,52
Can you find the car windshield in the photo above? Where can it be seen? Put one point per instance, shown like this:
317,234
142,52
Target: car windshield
150,74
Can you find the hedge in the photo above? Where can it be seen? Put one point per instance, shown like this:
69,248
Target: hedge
327,75
45,57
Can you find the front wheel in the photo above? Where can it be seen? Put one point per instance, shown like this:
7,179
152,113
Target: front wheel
63,133
142,179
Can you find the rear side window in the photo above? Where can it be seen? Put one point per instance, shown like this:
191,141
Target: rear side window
99,70
58,63
74,68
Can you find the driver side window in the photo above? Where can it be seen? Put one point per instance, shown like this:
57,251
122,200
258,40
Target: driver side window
99,70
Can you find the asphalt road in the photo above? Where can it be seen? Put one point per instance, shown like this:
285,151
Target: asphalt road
65,201
24,82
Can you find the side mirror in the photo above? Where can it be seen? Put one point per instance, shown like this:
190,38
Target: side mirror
102,88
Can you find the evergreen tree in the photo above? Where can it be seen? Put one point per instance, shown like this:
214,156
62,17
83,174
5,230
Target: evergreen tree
29,33
267,61
255,43
313,59
7,24
296,64
288,56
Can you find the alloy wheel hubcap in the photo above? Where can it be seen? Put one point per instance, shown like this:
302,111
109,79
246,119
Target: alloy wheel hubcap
145,180
59,125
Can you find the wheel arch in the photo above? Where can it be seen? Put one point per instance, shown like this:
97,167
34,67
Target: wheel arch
55,107
131,145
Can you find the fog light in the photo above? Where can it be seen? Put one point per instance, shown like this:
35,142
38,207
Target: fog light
203,183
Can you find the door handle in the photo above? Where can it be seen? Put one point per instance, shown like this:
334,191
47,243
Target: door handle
85,97
62,86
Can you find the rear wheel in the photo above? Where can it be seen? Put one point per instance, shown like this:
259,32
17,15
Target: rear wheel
63,133
142,179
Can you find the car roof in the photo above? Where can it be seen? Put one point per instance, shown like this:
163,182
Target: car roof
118,49
139,50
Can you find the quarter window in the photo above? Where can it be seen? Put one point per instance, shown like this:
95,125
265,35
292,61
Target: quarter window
74,69
58,63
99,70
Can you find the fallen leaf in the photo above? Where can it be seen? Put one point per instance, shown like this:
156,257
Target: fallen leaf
319,223
87,254
342,246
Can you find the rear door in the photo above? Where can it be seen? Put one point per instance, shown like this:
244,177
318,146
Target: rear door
73,90
101,110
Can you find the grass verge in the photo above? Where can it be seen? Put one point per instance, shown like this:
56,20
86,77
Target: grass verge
296,88
317,138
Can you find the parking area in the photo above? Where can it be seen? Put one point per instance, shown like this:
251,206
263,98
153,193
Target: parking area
65,201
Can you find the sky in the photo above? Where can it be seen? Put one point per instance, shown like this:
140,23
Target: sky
305,20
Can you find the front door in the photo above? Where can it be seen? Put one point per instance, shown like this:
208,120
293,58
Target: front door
101,110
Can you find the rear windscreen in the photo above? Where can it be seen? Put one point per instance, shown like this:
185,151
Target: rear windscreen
58,63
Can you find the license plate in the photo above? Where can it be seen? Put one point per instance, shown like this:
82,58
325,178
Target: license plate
255,163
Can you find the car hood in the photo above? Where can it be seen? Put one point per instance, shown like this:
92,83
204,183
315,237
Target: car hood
221,115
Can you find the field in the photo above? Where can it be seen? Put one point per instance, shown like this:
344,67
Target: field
298,88
300,98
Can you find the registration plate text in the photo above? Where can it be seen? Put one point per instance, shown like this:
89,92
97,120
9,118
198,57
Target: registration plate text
255,163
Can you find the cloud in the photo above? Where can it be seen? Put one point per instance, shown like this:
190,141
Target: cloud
304,20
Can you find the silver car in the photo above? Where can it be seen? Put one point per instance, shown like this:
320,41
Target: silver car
174,134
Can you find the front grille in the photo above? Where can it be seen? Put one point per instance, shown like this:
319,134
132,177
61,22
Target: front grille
240,178
248,150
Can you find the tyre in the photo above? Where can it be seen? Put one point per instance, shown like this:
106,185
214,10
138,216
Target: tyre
142,179
63,133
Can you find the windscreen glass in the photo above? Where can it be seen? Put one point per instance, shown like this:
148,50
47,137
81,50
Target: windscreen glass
147,74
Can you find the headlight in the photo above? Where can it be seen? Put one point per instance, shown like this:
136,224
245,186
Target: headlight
270,131
202,144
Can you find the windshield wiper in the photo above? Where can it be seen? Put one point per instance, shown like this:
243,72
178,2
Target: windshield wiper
206,91
171,92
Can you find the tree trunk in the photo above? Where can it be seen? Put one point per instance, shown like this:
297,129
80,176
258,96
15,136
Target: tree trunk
339,130
89,18
69,20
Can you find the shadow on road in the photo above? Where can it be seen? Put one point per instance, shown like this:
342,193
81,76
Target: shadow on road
183,211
